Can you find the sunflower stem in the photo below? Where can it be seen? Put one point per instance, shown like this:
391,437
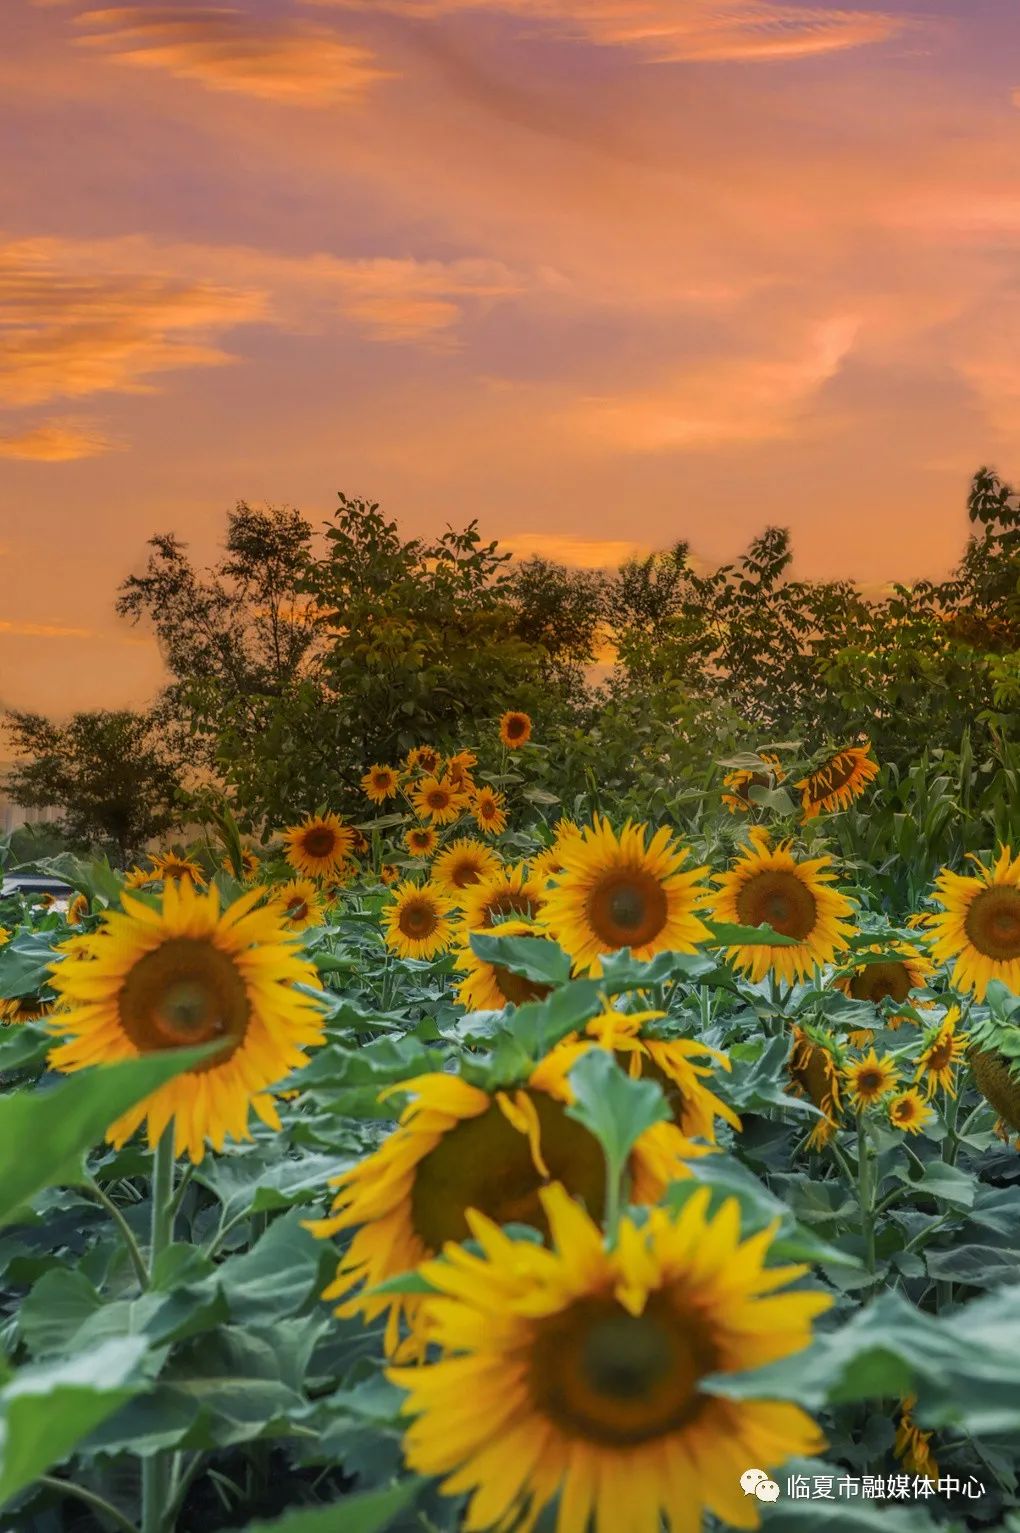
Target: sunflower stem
866,1191
126,1233
89,1498
951,1143
155,1495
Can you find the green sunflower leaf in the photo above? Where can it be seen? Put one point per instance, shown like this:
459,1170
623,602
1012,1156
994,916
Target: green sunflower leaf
726,934
614,1107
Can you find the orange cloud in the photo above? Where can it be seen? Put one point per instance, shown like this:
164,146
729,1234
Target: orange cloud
224,49
579,553
42,630
54,442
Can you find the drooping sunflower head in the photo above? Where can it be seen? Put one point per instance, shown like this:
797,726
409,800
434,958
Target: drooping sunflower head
625,891
815,1067
515,730
737,785
186,974
458,769
508,893
318,846
583,1366
489,986
489,811
423,758
300,904
909,1112
421,840
380,783
77,910
979,926
389,874
182,869
912,1446
438,800
870,1079
839,779
942,1051
417,921
463,863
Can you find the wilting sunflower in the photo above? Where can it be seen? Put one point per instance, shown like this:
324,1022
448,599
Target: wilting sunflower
514,730
24,1008
421,840
389,874
815,1066
318,846
980,924
424,758
944,1049
840,779
77,910
576,1371
870,1079
625,890
909,1111
456,1148
182,975
489,811
299,904
458,769
380,783
418,921
182,869
738,784
463,863
912,1446
438,800
770,886
509,892
891,979
488,986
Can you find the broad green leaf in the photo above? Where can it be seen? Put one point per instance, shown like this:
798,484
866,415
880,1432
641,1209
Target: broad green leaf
25,963
726,934
370,1511
947,1184
540,960
275,1278
614,1107
622,971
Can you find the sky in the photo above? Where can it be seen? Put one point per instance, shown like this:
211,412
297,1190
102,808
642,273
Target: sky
601,274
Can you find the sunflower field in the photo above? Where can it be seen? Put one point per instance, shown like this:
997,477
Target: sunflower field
498,1161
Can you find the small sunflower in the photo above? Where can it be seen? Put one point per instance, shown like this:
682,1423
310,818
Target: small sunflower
423,758
421,840
840,779
980,924
251,867
944,1049
181,869
770,886
870,1079
138,878
77,910
458,769
24,1008
909,1111
515,730
508,893
389,874
438,800
360,844
625,891
575,1372
462,863
418,921
318,846
488,809
738,784
299,904
380,783
182,975
5,935
815,1066
490,986
912,1446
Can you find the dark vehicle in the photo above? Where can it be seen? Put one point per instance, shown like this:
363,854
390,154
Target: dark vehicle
36,885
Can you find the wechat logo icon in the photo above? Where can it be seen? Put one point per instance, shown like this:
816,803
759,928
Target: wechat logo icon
755,1482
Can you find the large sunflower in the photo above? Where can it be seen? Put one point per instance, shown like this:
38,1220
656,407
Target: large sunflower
814,1066
509,892
380,783
319,846
463,863
625,891
171,866
299,904
737,785
770,886
577,1371
980,924
438,799
840,779
182,975
942,1053
417,922
515,730
456,1148
488,809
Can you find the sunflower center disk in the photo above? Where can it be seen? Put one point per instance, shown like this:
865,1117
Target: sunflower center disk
418,920
779,899
880,980
510,902
627,909
297,910
320,841
613,1378
993,923
184,993
516,988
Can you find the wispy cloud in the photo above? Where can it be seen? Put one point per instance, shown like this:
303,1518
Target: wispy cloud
55,441
579,553
226,49
42,630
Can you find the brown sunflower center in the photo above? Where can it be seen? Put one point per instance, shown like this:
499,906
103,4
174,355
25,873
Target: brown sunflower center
869,1082
627,908
609,1377
486,1163
418,919
829,778
993,923
464,873
319,841
183,993
516,988
940,1055
297,908
382,780
516,726
509,902
487,808
437,798
779,898
879,980
811,1068
904,1110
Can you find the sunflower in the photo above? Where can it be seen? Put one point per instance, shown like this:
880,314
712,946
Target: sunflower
418,921
421,840
771,886
182,975
181,869
509,892
489,986
870,1079
5,935
318,846
814,1066
438,800
912,1446
458,769
879,979
299,904
389,874
909,1111
462,863
625,891
840,779
943,1050
980,924
514,730
737,797
24,1008
138,878
251,867
424,758
380,783
360,844
576,1371
489,811
77,910
457,1148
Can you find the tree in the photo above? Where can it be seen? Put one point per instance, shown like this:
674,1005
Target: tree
109,771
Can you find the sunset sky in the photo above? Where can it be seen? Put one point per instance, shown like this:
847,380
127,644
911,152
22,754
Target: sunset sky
600,273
